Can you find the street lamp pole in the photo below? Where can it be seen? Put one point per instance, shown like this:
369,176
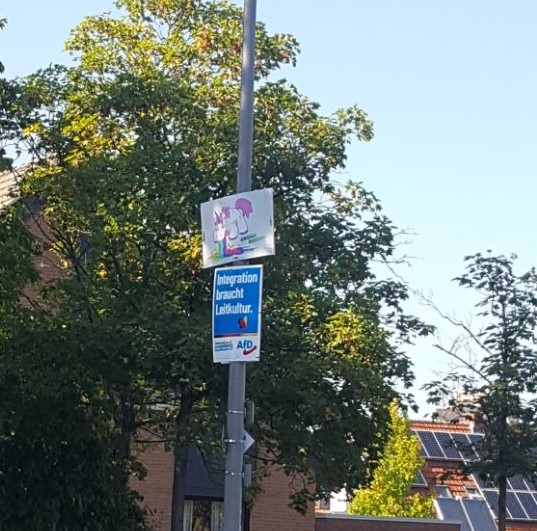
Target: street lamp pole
233,485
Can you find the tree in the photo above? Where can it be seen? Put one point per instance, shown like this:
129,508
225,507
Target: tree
56,470
14,105
55,456
399,462
498,381
131,139
3,22
4,92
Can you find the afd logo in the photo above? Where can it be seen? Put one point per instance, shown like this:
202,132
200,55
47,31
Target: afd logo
247,346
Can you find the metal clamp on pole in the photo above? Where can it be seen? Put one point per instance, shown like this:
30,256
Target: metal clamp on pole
233,473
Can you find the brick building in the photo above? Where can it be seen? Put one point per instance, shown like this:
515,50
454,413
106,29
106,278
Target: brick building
465,501
447,447
205,493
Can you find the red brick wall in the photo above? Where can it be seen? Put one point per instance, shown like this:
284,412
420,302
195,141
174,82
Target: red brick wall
48,264
449,474
271,511
350,523
521,526
156,487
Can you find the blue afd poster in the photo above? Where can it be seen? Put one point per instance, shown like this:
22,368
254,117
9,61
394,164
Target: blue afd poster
237,313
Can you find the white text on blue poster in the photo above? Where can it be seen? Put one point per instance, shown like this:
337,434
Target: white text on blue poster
237,313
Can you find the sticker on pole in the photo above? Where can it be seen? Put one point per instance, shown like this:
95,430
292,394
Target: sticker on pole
237,313
237,227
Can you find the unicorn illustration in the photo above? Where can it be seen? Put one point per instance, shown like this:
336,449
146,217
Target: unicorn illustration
229,224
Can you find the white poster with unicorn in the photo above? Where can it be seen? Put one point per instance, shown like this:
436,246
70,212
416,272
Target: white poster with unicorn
237,227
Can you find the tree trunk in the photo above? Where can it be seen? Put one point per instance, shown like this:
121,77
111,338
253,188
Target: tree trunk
125,420
180,454
503,442
502,496
178,492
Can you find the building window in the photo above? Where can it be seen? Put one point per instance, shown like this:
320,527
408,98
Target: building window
217,516
443,491
203,515
473,492
323,504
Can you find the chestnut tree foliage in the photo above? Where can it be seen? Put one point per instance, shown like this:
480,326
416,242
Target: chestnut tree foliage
126,144
5,103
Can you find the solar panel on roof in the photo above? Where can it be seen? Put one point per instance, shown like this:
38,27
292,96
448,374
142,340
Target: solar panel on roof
485,481
477,443
448,445
429,442
516,483
520,505
464,445
451,509
514,505
479,515
532,483
480,481
492,499
423,453
420,480
534,494
528,502
514,509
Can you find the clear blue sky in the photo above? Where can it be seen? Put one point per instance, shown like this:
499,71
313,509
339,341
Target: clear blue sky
450,85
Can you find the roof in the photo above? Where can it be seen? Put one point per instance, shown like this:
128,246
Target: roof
448,449
428,425
9,187
10,183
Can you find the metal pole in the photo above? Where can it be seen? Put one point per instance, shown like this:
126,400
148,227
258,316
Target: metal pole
246,125
237,370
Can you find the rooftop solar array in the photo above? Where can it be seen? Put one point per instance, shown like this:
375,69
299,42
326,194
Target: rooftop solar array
521,500
520,505
473,515
448,445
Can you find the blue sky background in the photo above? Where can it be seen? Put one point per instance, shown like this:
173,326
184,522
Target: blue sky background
450,85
